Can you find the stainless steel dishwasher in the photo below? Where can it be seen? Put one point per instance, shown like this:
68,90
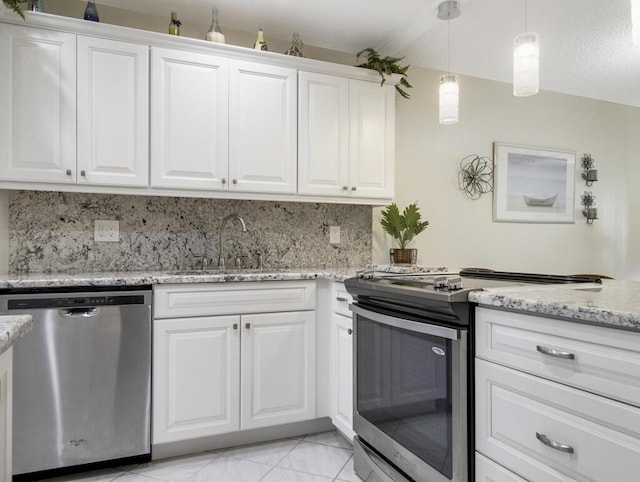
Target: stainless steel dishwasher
82,379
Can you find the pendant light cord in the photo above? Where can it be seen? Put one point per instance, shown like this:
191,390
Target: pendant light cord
448,46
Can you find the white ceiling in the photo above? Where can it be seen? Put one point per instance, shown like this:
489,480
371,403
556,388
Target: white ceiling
585,45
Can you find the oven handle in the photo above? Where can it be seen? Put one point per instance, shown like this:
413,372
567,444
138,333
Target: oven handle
426,328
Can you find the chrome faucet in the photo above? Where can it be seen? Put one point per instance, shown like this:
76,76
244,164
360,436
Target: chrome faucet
224,221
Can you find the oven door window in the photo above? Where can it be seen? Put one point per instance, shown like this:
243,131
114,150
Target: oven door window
404,389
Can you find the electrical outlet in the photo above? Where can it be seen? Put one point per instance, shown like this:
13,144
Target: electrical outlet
334,234
106,231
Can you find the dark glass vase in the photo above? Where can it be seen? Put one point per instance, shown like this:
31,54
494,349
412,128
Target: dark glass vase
91,12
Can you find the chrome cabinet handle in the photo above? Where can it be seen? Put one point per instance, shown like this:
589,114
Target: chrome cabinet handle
553,444
224,180
235,181
247,325
341,299
555,353
353,188
235,326
69,172
83,173
345,188
349,331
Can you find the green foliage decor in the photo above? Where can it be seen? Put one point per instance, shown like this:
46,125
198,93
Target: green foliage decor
403,227
385,67
13,5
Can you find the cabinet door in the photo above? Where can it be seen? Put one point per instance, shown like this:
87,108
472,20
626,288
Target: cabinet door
6,372
37,105
277,368
195,377
372,138
342,373
262,128
113,112
323,134
189,120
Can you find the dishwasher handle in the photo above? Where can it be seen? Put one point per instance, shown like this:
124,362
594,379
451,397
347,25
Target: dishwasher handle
87,312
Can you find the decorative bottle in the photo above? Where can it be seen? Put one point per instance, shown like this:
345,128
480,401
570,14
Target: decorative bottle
91,12
296,46
174,24
214,34
260,44
35,6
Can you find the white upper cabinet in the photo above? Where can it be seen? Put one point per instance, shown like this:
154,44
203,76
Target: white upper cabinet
346,137
372,139
189,120
37,105
262,127
113,112
323,135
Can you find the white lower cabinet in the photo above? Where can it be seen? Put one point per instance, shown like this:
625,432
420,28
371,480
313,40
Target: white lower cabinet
556,400
237,371
341,360
488,471
196,366
342,373
6,371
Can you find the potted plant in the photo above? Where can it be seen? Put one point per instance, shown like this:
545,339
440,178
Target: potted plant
403,227
385,67
14,5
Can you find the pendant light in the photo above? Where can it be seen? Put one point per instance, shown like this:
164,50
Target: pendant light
526,64
449,88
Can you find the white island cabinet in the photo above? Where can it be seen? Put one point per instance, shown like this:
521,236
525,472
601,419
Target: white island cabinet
232,356
556,400
56,128
6,371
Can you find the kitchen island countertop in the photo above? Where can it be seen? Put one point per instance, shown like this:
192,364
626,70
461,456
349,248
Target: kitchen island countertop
613,303
13,327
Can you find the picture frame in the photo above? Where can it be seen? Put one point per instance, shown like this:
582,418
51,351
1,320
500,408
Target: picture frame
533,184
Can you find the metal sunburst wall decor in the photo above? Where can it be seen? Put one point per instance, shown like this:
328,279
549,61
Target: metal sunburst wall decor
475,177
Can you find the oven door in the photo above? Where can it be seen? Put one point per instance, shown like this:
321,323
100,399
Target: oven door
410,396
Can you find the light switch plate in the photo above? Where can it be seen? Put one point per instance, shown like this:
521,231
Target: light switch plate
334,234
108,231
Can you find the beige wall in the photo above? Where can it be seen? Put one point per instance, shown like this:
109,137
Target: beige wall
461,231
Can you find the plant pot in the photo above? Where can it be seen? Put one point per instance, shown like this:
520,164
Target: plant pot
403,256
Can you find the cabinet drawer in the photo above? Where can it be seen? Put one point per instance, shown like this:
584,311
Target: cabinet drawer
515,411
594,358
207,299
340,299
488,471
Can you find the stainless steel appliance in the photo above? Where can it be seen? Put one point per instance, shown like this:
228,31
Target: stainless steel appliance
81,383
413,372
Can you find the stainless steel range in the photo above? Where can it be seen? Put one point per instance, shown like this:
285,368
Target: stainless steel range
413,372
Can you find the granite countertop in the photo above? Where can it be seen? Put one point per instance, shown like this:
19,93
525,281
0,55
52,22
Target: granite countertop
119,278
13,327
613,303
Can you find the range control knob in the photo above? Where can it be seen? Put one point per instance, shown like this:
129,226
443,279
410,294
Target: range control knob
439,282
454,283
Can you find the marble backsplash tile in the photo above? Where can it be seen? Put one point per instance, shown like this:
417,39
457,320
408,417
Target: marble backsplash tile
53,232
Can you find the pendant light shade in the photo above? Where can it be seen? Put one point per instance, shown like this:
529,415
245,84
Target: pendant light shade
449,88
449,98
526,64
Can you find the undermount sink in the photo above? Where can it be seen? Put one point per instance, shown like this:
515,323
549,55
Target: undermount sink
227,271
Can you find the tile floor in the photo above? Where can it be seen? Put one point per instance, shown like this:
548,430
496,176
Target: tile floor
313,458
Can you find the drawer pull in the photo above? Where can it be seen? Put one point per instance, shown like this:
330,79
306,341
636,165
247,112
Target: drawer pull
349,331
553,444
341,299
235,326
555,353
247,326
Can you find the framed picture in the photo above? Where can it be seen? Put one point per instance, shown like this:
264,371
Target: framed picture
533,184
